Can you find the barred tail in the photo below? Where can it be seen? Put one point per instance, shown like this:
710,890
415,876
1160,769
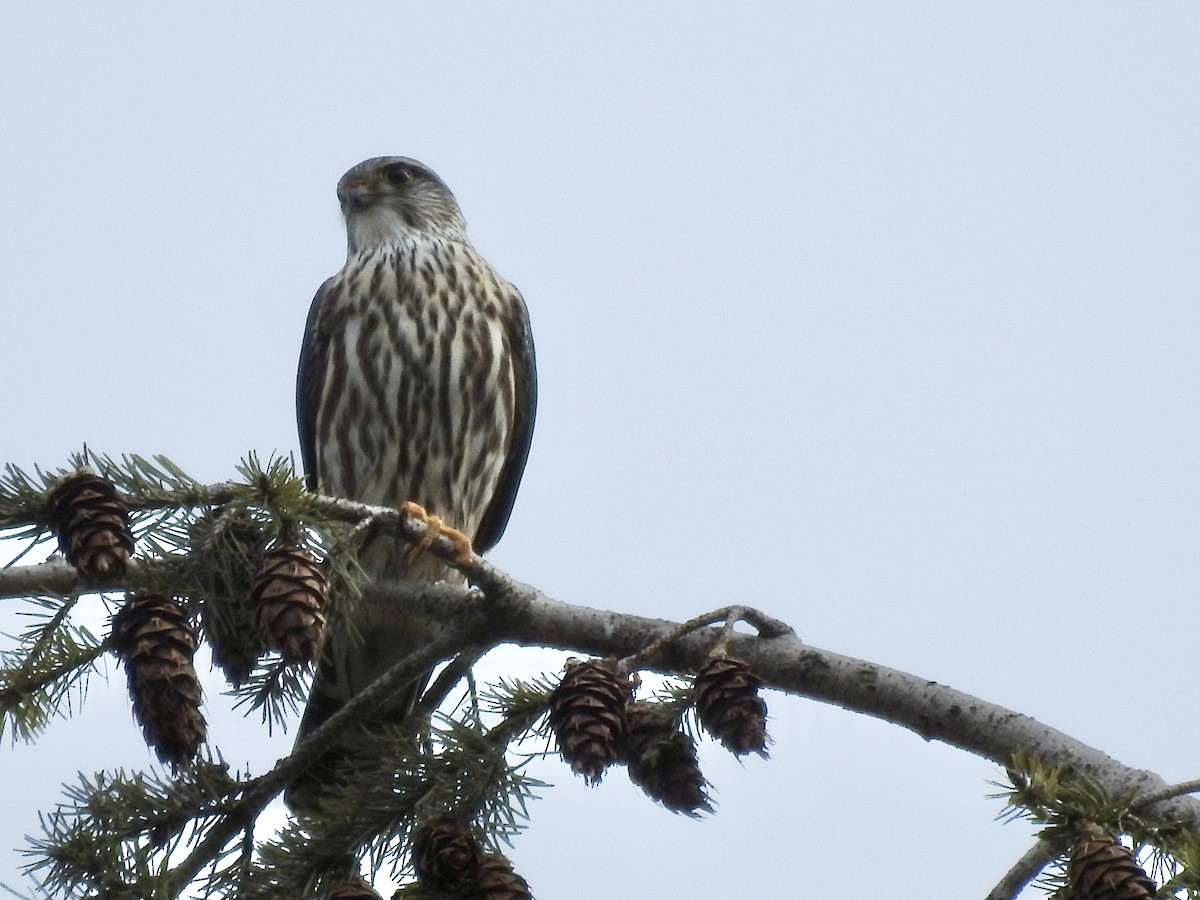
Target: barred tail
382,634
331,690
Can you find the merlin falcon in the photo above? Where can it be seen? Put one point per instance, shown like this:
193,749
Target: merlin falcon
417,385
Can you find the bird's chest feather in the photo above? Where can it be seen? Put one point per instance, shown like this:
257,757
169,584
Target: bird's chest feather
418,382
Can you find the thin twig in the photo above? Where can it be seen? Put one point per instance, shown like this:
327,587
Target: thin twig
766,626
46,631
1024,870
454,671
1174,790
358,534
16,693
721,647
654,648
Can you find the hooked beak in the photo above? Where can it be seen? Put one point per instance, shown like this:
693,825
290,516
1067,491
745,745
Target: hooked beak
355,195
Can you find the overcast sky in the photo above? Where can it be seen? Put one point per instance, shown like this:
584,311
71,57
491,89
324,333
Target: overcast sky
881,317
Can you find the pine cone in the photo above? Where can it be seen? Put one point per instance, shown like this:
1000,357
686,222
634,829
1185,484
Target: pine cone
587,713
92,524
358,889
498,881
662,761
289,594
1101,869
233,639
226,550
729,707
447,855
156,641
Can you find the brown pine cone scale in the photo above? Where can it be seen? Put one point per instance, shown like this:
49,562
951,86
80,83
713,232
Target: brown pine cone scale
662,760
447,854
228,550
92,524
358,889
729,707
498,881
156,642
289,595
587,714
1102,869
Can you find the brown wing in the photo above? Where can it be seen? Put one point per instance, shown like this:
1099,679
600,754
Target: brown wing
310,382
520,342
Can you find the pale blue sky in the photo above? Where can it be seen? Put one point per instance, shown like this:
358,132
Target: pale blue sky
881,317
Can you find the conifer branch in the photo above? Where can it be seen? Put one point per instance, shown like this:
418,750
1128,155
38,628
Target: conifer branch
36,675
453,672
14,692
173,515
523,615
263,789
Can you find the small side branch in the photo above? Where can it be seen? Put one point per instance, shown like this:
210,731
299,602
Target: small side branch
14,693
454,671
1174,790
727,616
1024,870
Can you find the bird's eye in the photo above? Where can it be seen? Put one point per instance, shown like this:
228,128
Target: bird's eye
397,174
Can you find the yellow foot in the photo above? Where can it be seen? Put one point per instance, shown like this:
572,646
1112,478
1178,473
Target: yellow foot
435,528
463,553
432,527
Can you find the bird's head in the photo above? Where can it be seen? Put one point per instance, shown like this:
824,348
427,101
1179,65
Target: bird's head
391,197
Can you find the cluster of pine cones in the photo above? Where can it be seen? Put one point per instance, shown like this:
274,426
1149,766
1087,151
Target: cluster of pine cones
597,724
450,857
153,633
